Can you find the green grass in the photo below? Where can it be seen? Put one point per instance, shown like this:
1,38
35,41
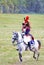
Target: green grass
13,22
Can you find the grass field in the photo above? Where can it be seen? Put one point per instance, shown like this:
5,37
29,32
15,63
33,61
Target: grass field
13,22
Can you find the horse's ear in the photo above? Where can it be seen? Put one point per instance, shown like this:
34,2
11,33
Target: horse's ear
13,32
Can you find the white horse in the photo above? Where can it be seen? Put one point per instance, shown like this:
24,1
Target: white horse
17,36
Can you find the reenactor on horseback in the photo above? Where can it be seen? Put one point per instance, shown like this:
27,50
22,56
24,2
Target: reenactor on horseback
26,30
26,27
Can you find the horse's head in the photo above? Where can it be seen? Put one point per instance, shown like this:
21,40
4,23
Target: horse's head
14,37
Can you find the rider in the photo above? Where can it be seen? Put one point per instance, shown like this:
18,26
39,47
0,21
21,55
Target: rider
26,28
26,24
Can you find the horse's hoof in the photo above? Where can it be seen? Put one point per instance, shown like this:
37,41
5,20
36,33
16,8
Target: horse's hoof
20,60
34,57
17,49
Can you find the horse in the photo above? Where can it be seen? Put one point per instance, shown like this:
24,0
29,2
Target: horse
21,43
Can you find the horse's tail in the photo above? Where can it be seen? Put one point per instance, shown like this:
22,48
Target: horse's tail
39,44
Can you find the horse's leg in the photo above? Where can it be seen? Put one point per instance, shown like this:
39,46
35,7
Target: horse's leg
37,55
20,57
34,56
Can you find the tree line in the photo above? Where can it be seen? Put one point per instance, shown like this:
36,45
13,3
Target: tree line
21,6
